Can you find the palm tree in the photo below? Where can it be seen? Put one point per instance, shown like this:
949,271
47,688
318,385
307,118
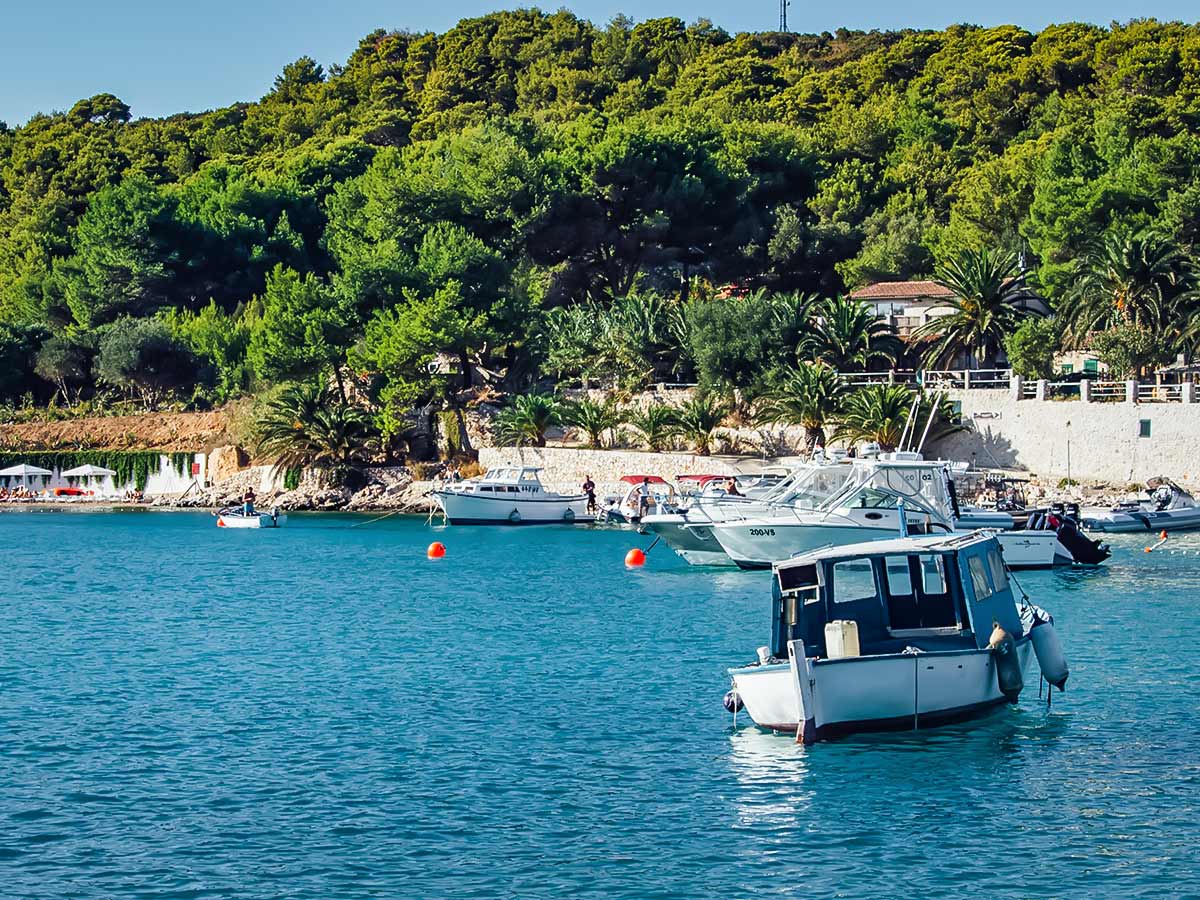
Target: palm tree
1144,280
807,395
849,336
655,424
595,419
527,419
698,419
878,413
309,426
989,299
791,319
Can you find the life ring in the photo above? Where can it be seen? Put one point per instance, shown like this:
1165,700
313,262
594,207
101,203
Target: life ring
514,516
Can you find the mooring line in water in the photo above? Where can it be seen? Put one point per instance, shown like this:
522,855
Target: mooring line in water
376,519
651,547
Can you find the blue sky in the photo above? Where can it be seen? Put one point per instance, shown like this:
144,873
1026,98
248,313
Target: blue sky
163,57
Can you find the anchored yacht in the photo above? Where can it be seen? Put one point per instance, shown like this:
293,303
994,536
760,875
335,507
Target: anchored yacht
511,495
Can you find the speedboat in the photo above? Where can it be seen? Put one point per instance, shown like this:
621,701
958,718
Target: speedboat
688,531
898,494
511,495
1167,508
237,517
900,634
627,507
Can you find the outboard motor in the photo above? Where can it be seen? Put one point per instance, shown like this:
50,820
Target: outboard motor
1082,548
1072,512
1048,649
1008,664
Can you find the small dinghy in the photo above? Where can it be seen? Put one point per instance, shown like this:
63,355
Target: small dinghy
235,517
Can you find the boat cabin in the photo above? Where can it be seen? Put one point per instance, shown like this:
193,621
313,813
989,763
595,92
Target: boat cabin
504,480
931,592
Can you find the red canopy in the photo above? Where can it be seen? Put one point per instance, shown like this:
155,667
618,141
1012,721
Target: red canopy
638,479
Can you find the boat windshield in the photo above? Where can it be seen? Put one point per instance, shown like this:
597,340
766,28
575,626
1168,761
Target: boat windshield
923,486
810,487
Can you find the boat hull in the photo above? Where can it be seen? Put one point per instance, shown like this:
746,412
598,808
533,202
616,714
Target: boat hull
261,520
694,542
756,545
1118,521
819,699
474,509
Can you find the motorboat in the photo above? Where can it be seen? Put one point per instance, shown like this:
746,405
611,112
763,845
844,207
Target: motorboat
894,494
1167,508
906,633
688,531
237,517
510,495
627,507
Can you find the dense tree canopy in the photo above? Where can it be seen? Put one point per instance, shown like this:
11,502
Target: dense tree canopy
501,191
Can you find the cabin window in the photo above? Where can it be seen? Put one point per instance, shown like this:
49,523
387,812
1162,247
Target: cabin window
853,580
979,578
996,564
486,487
899,578
933,575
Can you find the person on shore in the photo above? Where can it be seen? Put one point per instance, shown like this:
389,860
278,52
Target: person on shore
589,488
248,499
731,488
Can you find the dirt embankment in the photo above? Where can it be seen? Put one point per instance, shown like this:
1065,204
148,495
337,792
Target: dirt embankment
174,432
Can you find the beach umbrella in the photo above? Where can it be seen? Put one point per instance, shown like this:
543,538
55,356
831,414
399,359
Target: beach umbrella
24,472
88,472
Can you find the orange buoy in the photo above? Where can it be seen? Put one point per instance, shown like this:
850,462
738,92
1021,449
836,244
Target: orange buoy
635,557
436,550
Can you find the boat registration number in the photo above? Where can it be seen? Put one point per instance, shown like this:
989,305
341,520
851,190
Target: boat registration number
762,532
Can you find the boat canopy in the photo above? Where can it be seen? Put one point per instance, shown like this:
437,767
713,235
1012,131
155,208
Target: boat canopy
701,479
934,592
638,479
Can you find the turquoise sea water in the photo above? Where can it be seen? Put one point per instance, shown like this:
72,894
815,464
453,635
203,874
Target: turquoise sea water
321,712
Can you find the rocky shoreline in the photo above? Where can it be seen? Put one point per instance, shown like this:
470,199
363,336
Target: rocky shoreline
386,490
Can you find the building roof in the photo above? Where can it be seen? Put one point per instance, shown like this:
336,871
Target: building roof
902,290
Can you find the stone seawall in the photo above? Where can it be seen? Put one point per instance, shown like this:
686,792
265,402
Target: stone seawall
565,468
1114,442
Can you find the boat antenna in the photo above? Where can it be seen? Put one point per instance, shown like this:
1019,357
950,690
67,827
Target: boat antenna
937,399
909,420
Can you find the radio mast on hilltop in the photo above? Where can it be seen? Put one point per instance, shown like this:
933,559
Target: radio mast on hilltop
783,5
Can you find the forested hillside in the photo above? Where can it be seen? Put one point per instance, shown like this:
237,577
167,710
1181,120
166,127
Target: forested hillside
500,191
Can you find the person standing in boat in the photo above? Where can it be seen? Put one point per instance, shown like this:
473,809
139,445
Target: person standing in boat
731,488
589,488
643,504
248,499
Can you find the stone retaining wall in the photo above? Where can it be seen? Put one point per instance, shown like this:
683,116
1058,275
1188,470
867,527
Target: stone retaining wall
1105,439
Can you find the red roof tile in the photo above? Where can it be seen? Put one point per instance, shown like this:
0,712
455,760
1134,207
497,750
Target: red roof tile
902,290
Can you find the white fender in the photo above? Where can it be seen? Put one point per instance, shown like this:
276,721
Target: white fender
1049,652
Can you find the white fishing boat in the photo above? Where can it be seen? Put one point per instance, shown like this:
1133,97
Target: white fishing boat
511,495
688,531
1167,508
236,517
870,507
907,633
